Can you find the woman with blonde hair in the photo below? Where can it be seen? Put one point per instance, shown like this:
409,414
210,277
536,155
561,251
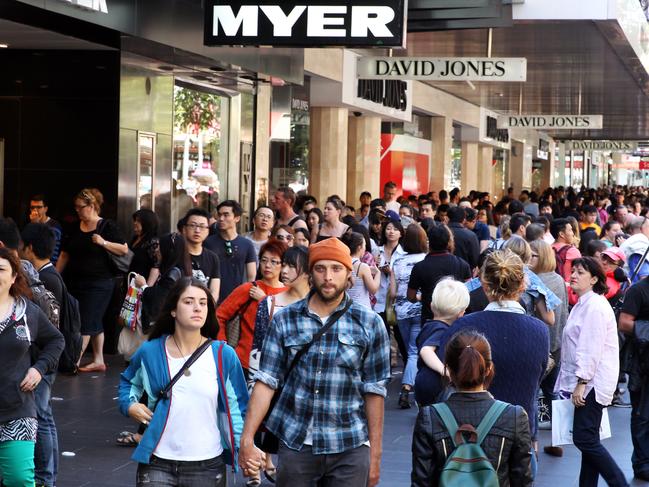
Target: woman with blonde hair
85,263
519,343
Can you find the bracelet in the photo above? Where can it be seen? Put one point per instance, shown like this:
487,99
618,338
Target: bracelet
581,382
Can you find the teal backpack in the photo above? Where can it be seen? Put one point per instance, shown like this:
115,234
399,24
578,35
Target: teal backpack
467,465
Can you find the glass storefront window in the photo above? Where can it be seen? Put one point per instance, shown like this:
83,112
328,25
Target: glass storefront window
501,170
199,166
145,168
289,138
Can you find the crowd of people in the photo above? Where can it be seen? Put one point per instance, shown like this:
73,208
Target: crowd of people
307,315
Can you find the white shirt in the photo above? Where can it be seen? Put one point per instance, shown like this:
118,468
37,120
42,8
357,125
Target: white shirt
192,433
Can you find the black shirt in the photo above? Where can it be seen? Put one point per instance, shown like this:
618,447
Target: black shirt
146,256
425,274
636,300
233,263
52,281
87,260
467,246
205,266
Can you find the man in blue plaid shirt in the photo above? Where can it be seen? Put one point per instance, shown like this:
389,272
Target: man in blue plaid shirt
329,416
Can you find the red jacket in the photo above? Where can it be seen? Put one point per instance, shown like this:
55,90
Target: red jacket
239,301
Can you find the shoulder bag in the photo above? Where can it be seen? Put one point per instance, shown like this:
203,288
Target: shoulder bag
233,325
120,263
166,392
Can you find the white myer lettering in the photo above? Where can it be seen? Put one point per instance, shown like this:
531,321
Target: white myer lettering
321,20
372,19
282,23
245,20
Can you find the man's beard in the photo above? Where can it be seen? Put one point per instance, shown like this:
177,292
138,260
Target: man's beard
330,298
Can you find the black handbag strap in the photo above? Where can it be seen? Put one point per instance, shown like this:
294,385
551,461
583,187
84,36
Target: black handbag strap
166,392
327,326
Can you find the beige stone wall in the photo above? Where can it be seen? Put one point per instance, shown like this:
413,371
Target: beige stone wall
328,152
363,157
442,142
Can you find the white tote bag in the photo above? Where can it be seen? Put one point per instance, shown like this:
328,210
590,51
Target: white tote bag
563,413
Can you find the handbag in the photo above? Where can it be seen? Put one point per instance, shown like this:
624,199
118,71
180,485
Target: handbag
129,341
563,415
233,326
120,263
131,311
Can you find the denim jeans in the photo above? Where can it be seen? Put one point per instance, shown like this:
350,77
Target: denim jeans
639,436
304,469
170,473
410,328
595,459
46,454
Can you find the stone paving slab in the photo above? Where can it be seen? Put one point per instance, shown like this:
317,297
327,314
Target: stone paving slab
89,421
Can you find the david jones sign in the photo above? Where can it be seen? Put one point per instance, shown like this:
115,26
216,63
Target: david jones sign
443,69
313,23
555,122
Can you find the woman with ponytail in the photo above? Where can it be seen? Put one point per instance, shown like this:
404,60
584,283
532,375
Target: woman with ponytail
507,445
519,343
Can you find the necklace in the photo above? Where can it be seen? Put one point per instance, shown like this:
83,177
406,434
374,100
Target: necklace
187,372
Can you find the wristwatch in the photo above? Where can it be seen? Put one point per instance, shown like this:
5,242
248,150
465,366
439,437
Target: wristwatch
581,381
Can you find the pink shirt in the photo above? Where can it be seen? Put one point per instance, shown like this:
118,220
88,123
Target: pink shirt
589,349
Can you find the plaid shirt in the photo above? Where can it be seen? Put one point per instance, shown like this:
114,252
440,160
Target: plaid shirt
327,386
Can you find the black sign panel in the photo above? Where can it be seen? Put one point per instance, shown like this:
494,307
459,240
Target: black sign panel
390,93
349,23
493,132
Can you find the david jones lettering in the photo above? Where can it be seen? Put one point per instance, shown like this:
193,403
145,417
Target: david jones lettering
321,21
550,121
446,68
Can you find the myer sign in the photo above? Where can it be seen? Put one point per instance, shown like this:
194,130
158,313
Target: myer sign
95,5
603,145
308,23
443,69
551,122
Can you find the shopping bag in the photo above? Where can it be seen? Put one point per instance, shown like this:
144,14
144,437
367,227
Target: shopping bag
129,314
563,413
129,341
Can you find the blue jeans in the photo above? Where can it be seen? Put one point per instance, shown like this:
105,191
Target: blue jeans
46,454
410,328
170,473
595,459
639,436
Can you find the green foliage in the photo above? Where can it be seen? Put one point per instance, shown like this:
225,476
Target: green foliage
191,107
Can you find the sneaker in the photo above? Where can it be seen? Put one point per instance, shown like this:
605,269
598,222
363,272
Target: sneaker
619,402
545,425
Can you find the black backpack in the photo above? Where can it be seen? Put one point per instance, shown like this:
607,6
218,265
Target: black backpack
70,327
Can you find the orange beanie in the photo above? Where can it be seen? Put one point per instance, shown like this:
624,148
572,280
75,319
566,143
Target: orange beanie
330,249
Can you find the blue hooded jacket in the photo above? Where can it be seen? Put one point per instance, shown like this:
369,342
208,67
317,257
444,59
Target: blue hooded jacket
149,371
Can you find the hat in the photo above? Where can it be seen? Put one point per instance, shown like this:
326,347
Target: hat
392,216
330,249
615,254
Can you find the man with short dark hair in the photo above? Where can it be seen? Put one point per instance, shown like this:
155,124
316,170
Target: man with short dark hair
467,246
437,264
443,198
375,204
329,413
480,229
204,263
545,208
236,253
564,249
283,202
589,219
38,214
519,223
365,198
427,209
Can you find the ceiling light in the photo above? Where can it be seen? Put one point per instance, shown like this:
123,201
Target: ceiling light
4,46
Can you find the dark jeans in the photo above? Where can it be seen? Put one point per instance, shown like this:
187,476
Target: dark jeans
46,453
639,436
304,469
170,473
595,459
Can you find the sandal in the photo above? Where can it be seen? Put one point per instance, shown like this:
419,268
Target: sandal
127,438
271,474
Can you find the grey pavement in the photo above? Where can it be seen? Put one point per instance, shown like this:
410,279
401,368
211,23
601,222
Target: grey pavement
88,419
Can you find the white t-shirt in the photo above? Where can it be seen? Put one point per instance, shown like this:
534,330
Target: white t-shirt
192,433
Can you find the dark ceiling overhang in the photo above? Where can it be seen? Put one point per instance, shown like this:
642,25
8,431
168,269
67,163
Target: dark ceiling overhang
432,15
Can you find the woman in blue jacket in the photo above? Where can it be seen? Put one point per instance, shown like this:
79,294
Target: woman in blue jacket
194,431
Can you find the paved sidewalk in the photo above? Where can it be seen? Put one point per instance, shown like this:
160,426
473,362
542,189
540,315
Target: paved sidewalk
89,421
